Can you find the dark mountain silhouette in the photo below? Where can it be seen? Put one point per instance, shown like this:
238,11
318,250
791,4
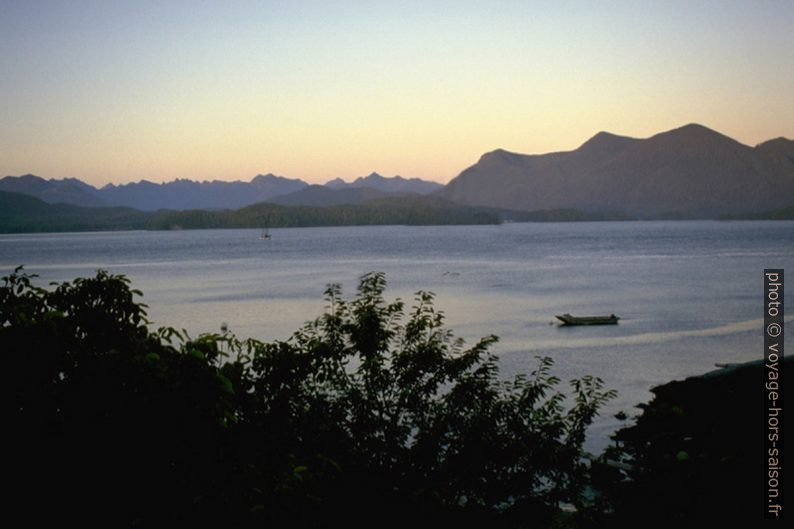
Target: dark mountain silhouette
67,190
188,194
323,196
185,194
691,171
395,184
150,196
25,213
781,152
273,185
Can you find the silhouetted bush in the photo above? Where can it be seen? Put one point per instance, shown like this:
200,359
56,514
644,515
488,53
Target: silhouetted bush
367,416
696,455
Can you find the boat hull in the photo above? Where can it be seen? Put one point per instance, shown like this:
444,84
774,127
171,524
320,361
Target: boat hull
567,319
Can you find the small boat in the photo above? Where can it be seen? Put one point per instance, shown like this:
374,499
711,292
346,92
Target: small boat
567,319
265,235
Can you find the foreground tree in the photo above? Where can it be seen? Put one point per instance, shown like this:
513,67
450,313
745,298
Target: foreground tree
367,415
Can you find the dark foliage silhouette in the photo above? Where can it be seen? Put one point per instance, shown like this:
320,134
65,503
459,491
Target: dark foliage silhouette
370,415
696,455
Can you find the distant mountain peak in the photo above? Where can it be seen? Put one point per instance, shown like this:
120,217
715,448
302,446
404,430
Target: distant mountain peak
388,184
603,135
780,141
780,151
695,128
268,176
694,135
374,178
500,152
28,178
503,156
606,141
688,171
66,190
691,127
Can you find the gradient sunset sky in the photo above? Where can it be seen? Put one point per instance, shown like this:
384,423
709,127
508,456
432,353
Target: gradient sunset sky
121,91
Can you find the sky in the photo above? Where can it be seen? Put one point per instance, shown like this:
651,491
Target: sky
122,91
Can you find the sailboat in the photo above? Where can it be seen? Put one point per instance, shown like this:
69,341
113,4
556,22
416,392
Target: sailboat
265,236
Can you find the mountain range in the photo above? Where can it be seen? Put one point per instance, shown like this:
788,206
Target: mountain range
689,172
396,184
184,194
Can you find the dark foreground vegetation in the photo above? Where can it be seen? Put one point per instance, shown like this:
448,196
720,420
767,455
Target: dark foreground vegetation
697,452
373,415
359,417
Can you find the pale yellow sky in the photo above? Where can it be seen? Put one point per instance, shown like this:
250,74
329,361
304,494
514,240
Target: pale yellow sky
122,91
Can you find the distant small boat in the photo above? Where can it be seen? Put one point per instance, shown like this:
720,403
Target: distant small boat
567,319
265,236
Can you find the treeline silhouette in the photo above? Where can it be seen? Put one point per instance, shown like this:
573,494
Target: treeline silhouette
23,213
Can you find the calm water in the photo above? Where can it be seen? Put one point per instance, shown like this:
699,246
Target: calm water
689,293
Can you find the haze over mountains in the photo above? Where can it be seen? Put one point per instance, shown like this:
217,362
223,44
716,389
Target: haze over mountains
689,172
